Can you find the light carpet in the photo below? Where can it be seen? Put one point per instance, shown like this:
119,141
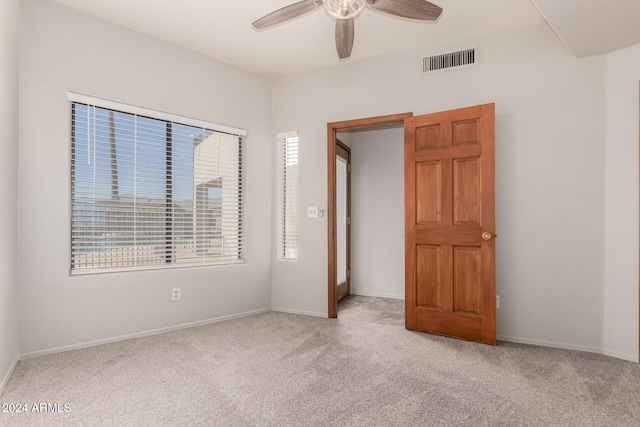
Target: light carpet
364,369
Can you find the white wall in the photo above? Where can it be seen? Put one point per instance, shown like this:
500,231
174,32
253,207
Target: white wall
550,172
9,66
377,212
67,50
621,262
550,178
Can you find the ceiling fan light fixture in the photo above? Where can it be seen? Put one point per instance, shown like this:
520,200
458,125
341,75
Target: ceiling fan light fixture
344,9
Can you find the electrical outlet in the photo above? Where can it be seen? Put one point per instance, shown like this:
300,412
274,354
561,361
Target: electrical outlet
175,294
312,212
497,301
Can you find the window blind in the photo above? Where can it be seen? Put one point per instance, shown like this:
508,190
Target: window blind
288,200
152,193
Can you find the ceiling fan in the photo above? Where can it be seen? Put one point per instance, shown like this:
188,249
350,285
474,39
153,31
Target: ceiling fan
345,11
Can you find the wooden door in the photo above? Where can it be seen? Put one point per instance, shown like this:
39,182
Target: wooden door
450,224
343,220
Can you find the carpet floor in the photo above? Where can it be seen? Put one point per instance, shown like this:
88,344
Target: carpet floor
364,369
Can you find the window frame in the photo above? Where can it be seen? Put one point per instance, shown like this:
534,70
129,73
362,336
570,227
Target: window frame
283,206
170,120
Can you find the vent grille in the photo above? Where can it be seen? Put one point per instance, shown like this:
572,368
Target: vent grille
446,61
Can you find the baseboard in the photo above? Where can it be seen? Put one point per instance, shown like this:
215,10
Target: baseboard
301,312
5,380
377,295
553,344
623,356
589,349
141,334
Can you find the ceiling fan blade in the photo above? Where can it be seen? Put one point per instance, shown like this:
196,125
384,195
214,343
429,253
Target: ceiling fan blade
286,13
412,9
344,37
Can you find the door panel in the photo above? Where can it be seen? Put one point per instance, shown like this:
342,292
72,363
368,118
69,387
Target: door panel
466,191
428,276
465,132
428,138
467,279
428,189
449,204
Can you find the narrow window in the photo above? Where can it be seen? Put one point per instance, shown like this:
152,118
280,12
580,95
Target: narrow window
151,190
288,196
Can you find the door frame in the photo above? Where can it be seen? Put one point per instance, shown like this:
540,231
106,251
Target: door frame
332,129
342,148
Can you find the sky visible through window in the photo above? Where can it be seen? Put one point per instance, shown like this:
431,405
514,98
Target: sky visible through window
144,142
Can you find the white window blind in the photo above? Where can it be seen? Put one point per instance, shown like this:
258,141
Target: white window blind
288,196
152,193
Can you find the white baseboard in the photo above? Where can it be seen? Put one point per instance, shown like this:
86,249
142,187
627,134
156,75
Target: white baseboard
5,380
140,334
377,295
589,349
623,356
553,344
301,312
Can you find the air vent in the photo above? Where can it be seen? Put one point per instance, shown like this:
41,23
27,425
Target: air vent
450,60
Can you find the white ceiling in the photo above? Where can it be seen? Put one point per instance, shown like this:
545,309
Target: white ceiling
592,27
222,28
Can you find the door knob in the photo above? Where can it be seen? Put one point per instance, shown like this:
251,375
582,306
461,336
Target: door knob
486,235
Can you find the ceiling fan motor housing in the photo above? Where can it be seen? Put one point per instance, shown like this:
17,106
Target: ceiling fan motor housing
344,9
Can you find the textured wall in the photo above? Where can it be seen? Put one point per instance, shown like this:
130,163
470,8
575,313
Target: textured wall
621,268
67,50
549,172
9,66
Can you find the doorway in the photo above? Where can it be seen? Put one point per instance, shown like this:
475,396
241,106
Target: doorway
449,200
332,222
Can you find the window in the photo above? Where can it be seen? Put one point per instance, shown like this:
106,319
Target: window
150,190
288,196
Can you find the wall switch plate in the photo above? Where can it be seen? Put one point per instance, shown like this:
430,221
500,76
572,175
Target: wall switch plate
497,301
312,212
175,294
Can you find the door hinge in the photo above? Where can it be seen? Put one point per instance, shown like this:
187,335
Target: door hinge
348,220
348,274
348,167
